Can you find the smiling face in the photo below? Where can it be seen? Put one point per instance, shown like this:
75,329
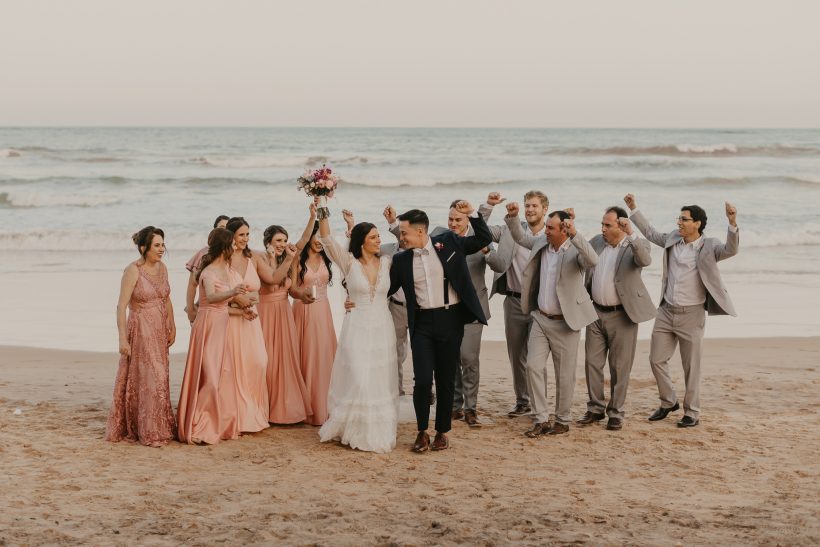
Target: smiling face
156,249
240,237
278,243
556,235
412,236
534,211
315,245
687,227
457,222
372,242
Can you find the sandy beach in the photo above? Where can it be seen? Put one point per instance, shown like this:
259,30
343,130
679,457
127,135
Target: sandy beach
748,474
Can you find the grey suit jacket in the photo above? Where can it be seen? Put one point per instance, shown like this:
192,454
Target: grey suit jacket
632,258
576,305
504,253
711,252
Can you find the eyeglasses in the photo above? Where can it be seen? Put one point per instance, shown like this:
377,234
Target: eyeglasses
684,219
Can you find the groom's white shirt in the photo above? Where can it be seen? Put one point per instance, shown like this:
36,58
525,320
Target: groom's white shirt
428,279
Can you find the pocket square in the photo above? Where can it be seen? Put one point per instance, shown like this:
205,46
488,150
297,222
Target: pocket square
451,256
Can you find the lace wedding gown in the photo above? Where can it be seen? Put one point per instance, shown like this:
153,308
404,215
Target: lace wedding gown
363,401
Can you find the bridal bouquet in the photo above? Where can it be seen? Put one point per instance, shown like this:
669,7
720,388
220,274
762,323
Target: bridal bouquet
319,183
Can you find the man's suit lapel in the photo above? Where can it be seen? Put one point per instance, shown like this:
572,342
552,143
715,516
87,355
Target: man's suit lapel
621,253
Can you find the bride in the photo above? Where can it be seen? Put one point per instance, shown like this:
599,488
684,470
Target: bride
363,401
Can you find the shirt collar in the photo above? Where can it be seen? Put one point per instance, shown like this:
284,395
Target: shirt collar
564,246
696,245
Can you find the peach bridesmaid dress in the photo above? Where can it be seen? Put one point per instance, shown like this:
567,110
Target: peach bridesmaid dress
289,398
141,409
317,343
245,349
207,403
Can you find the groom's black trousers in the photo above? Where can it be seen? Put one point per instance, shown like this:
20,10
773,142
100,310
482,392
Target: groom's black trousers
436,342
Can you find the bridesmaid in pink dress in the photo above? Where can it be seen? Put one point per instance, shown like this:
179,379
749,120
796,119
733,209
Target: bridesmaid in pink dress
289,398
141,408
207,403
193,266
314,324
245,346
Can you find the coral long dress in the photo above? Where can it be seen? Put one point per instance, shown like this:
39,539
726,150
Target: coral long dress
141,408
289,398
245,349
207,402
317,342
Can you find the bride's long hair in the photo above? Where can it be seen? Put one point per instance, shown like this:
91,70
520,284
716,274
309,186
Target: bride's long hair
303,256
357,236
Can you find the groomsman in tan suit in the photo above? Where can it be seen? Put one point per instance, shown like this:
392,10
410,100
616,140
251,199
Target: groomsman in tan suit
553,293
691,285
621,302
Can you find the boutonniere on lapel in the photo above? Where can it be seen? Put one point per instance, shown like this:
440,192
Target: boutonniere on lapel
439,246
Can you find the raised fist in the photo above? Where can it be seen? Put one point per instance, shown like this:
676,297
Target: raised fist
512,209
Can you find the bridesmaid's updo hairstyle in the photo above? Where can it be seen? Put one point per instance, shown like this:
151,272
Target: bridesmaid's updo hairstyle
271,232
357,236
145,237
233,225
220,243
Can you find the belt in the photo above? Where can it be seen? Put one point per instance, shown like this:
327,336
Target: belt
599,307
554,317
513,294
397,301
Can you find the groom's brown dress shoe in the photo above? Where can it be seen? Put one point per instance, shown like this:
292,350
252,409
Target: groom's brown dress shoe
558,429
662,413
537,430
441,442
422,442
590,417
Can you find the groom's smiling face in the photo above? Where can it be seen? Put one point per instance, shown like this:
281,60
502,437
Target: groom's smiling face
412,236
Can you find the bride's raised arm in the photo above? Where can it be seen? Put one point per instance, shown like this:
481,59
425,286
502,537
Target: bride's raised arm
338,254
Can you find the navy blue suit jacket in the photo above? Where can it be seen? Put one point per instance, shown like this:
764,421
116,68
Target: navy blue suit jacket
453,253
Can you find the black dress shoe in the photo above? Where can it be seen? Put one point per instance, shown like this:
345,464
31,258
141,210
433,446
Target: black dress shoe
590,417
519,410
688,421
614,424
662,413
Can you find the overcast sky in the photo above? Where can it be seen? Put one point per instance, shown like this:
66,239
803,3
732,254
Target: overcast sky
507,63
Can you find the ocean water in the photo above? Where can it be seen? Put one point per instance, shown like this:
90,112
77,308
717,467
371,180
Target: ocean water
71,197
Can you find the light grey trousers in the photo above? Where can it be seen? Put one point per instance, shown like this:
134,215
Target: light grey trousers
612,337
552,336
467,373
517,326
675,325
399,314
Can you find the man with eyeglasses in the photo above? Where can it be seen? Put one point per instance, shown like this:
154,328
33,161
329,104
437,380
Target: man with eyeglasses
691,285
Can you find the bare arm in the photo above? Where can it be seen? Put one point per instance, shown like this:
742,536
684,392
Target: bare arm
214,296
172,326
308,228
127,284
190,297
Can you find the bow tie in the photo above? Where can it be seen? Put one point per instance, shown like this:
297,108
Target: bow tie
419,252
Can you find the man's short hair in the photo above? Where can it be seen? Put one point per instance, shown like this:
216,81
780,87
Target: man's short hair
697,213
545,201
416,216
619,211
562,215
455,202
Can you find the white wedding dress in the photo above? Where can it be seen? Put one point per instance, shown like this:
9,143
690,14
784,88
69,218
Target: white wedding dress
363,400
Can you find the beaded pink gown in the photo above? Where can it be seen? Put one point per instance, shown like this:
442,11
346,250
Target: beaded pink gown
207,402
289,398
317,343
245,349
141,408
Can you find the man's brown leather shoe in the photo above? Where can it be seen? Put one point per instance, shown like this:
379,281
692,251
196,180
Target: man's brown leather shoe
590,417
471,418
422,442
537,430
458,414
558,429
441,442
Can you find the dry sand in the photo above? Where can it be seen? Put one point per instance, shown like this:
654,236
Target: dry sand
747,474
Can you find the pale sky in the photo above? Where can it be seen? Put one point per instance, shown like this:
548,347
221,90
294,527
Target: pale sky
510,63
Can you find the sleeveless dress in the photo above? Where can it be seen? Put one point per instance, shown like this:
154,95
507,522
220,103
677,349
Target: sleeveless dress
289,399
245,350
317,342
207,401
141,408
363,400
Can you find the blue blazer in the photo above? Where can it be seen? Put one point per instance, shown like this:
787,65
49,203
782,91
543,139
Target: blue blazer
453,257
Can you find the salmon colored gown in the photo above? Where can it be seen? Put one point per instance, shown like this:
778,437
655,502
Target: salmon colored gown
245,350
207,402
289,398
317,342
141,408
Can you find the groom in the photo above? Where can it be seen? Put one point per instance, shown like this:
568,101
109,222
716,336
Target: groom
440,296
